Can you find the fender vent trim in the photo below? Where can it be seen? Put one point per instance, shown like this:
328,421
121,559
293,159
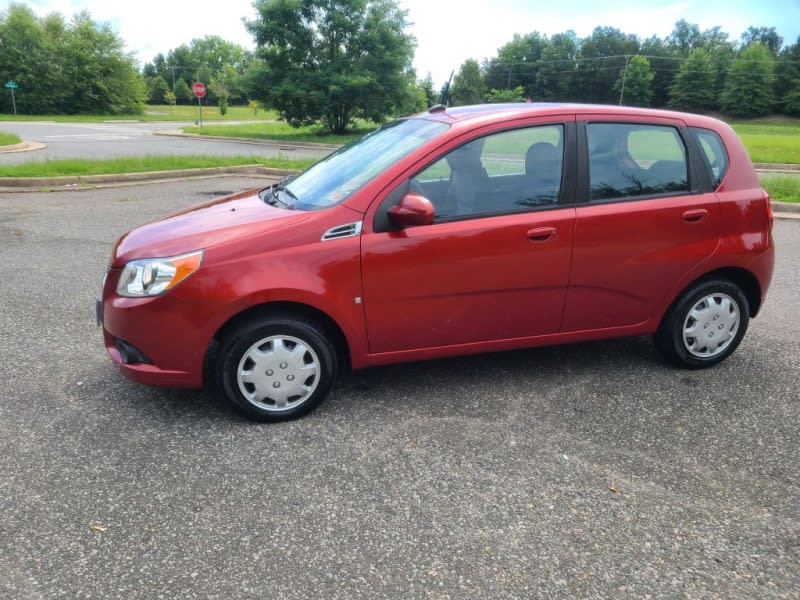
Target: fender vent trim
343,231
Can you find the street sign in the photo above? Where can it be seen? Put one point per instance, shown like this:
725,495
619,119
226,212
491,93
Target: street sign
12,85
198,89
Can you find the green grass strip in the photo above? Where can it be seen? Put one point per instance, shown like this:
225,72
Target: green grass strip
9,139
782,188
278,131
57,168
156,113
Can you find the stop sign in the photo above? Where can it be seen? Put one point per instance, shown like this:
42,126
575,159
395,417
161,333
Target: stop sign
199,89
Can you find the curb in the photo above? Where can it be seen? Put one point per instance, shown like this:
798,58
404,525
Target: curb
791,168
281,145
76,183
22,147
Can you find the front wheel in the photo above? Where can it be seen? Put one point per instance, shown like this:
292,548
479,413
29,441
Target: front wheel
705,325
276,369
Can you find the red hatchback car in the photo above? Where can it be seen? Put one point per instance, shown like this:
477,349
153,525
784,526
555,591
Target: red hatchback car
456,231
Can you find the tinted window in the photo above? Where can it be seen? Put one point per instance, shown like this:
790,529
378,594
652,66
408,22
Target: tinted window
714,155
628,160
505,172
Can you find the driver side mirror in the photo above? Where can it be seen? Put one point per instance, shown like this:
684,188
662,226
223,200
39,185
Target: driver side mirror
412,210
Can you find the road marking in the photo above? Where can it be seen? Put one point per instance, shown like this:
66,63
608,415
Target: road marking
93,136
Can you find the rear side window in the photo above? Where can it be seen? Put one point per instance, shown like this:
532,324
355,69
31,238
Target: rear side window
714,155
628,160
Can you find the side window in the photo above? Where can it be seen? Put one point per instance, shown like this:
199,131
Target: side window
714,155
506,172
628,160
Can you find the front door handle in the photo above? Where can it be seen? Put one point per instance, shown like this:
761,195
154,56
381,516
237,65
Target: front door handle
695,216
542,234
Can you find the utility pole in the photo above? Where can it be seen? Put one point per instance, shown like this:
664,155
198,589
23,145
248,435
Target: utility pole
624,75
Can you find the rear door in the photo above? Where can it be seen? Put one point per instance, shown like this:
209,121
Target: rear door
642,221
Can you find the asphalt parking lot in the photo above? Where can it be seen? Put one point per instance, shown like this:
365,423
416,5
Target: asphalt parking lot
583,471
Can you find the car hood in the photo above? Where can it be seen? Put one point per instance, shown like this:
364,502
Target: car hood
204,225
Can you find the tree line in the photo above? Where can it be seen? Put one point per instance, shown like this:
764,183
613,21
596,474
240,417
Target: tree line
333,63
690,70
66,67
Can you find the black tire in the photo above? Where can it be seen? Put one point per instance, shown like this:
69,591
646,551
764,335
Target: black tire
276,368
705,324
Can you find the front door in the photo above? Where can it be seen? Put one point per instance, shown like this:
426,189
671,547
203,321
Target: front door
495,264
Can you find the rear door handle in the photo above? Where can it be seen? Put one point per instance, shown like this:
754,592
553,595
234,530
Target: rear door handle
695,216
542,234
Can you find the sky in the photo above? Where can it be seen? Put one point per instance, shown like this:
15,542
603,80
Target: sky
447,32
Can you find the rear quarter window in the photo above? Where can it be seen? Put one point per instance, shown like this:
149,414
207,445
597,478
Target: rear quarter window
714,155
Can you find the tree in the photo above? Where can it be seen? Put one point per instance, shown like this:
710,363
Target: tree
103,78
664,66
635,82
602,55
787,73
766,36
693,88
791,100
332,61
501,96
468,85
749,83
685,37
554,80
183,93
426,85
169,98
517,63
75,67
157,90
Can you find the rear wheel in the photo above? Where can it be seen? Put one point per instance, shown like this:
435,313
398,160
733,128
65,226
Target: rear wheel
705,325
276,369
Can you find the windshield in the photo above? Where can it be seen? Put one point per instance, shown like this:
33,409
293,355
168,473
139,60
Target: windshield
334,178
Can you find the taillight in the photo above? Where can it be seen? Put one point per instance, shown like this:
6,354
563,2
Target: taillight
768,204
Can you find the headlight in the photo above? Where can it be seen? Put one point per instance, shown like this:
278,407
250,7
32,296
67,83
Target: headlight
154,276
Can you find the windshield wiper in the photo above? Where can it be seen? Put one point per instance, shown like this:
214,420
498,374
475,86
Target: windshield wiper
291,195
274,199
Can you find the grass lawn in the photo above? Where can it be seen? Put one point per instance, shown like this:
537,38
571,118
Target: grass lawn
279,131
56,168
782,188
771,142
8,139
154,113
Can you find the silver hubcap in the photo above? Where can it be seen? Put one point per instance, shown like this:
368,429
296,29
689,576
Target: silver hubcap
278,373
711,325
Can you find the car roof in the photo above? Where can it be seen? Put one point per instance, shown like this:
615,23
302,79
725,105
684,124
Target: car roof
491,112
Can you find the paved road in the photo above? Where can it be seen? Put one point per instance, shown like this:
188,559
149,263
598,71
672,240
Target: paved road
112,140
584,471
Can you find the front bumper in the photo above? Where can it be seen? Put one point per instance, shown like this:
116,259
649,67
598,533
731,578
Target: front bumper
154,341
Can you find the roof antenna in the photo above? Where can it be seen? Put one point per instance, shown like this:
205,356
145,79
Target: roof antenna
445,99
